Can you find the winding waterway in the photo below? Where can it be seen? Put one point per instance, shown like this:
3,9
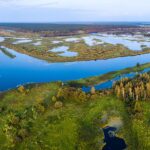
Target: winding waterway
24,69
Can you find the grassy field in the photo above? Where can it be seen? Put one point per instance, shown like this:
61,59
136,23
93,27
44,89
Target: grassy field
43,117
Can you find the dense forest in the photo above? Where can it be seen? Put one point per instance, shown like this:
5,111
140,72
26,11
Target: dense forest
66,29
137,89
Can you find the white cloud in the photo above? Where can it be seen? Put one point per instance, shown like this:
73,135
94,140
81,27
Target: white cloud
104,5
28,3
79,9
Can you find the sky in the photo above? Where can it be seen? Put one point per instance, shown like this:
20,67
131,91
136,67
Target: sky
74,10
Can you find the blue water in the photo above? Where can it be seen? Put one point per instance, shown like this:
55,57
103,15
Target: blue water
129,41
25,69
20,41
108,84
2,39
37,43
72,40
63,50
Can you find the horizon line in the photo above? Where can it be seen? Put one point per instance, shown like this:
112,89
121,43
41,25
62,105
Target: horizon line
55,22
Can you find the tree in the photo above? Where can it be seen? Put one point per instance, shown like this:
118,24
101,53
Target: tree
58,104
60,93
82,96
93,91
148,89
54,99
137,107
118,91
138,65
21,89
40,108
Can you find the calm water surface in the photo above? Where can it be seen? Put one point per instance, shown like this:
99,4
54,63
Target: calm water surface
20,41
136,42
63,50
25,69
109,84
2,39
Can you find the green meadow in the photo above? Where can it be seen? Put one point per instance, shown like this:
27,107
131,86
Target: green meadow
52,116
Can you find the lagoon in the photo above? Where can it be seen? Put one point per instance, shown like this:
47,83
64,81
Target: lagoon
21,41
2,39
136,42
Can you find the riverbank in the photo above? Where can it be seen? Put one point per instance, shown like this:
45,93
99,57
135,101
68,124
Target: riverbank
84,52
85,47
91,81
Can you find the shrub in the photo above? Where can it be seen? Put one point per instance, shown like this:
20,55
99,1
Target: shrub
23,133
58,104
21,89
54,99
137,107
40,108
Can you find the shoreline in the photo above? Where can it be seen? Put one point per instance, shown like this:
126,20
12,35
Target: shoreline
91,81
57,60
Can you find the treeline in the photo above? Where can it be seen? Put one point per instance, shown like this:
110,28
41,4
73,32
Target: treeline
136,89
49,30
67,93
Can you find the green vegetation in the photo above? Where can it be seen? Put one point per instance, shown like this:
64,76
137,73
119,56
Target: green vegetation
134,89
7,53
136,94
31,120
85,52
102,78
53,117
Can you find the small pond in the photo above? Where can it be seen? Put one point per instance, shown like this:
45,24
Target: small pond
63,51
137,42
2,39
21,41
37,43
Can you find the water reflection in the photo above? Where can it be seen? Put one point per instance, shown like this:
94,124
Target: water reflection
63,50
24,69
